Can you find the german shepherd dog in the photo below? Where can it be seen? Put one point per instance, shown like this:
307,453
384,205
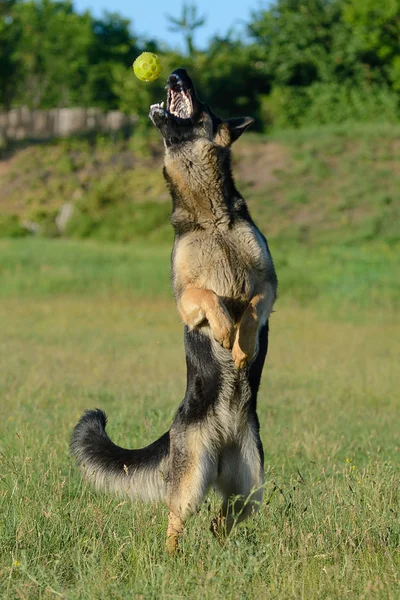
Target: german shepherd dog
225,286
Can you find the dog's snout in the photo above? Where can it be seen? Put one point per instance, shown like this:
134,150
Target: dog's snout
174,82
179,79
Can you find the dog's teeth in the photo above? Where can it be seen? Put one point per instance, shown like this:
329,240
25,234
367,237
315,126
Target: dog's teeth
162,104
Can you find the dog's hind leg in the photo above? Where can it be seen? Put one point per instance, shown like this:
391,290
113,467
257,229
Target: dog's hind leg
240,481
192,471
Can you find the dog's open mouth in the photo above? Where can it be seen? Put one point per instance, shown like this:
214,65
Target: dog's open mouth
179,100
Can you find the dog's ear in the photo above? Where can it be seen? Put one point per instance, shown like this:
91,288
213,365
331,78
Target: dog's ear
237,126
230,130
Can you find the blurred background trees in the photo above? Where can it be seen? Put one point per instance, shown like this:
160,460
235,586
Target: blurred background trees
301,61
187,23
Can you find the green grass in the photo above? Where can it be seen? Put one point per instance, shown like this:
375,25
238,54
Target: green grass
341,279
85,324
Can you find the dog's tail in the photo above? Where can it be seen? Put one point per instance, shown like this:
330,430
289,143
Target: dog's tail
138,473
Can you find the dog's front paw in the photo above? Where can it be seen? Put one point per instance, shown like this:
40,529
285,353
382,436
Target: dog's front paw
157,114
223,333
243,349
240,358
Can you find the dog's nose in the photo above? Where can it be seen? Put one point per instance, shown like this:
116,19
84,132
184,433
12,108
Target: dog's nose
179,79
181,73
175,82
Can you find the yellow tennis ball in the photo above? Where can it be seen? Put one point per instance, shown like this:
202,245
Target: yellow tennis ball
147,66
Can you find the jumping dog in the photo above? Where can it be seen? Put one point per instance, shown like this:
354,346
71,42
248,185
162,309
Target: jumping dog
225,286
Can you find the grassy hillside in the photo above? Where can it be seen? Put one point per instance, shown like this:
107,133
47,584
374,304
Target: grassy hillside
309,186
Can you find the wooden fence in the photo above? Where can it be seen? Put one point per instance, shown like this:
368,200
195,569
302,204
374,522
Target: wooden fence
23,123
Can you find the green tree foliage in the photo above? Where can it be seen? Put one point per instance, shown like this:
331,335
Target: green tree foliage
376,29
303,61
302,42
296,39
328,59
10,34
187,23
230,79
53,54
112,45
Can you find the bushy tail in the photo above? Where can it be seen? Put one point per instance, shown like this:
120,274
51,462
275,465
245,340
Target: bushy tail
138,473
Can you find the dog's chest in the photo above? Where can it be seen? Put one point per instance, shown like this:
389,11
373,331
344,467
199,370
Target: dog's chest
229,263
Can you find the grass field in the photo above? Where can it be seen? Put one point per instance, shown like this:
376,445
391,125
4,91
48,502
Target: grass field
85,325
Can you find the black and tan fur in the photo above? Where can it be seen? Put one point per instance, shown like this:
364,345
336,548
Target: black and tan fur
225,287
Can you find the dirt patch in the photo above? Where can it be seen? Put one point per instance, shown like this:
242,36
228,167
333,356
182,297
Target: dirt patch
5,166
260,163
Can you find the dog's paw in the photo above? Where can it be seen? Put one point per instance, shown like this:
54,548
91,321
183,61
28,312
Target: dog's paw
157,113
221,325
244,348
223,333
240,358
